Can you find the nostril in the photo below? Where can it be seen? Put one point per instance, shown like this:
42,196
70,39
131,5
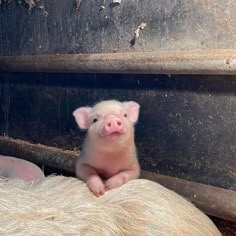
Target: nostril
119,123
109,124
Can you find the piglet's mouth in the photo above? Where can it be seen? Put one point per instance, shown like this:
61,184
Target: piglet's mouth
113,134
116,134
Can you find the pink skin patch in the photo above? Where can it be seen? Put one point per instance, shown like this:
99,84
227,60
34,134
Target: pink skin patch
15,168
113,125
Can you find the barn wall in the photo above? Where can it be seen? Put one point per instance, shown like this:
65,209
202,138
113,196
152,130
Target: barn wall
56,26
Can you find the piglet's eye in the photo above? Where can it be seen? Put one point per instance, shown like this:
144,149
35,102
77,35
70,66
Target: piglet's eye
125,115
95,120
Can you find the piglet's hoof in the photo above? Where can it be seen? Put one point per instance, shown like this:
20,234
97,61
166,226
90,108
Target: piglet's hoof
114,182
96,185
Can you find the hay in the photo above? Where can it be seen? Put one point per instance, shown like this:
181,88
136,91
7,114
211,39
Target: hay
64,206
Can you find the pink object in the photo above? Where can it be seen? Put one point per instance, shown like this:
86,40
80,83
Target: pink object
113,125
14,168
108,157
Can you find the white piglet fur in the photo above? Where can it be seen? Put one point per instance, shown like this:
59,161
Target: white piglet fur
108,157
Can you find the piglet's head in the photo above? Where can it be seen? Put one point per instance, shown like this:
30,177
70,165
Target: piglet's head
108,118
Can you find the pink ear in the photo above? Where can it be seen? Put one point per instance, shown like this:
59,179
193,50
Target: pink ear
82,117
133,110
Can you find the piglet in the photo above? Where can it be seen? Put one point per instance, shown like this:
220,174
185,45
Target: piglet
108,158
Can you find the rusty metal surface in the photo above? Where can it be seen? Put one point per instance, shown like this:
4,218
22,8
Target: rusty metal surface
59,26
176,62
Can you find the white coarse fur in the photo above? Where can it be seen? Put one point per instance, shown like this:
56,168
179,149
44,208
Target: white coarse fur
60,205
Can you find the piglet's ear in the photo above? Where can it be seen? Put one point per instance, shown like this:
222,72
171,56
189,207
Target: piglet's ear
82,117
133,110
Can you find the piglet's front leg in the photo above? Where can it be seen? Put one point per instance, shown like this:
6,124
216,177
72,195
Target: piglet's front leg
91,177
121,178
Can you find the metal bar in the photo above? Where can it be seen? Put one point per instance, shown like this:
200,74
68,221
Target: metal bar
214,201
220,62
39,154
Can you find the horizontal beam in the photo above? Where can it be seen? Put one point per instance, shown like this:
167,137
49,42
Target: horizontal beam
214,201
39,154
217,62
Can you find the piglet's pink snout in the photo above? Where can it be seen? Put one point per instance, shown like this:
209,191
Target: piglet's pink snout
113,125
